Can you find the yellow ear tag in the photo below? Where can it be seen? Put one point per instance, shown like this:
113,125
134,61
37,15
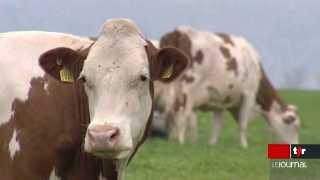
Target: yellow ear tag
66,75
168,72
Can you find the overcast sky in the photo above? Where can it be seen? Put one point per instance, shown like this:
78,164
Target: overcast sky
285,32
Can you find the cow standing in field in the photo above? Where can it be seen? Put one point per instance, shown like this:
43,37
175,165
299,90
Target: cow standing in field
225,74
83,108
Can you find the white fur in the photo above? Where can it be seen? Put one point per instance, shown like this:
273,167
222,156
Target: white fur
115,92
53,175
101,177
156,43
216,127
282,131
14,145
19,62
46,87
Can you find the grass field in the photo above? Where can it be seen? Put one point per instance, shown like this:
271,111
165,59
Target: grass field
159,159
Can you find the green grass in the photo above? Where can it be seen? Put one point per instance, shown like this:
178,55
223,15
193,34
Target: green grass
159,159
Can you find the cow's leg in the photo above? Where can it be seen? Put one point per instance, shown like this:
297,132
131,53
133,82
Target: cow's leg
173,126
193,127
246,107
216,126
172,129
179,126
181,131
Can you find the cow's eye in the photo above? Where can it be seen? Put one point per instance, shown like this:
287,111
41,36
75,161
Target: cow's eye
83,79
87,83
143,78
290,119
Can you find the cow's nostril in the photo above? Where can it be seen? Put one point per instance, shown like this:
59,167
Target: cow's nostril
115,134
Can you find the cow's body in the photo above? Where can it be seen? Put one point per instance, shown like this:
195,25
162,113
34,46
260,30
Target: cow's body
225,74
44,130
42,120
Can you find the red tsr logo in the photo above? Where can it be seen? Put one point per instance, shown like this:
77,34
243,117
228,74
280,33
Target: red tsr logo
298,151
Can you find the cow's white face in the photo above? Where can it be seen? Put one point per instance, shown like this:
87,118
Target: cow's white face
117,74
285,124
117,81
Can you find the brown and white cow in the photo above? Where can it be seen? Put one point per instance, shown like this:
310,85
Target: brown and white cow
74,109
225,74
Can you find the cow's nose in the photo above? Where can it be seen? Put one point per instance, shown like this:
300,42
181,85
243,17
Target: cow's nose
103,137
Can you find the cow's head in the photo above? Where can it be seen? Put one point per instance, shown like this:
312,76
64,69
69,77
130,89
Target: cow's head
117,72
285,123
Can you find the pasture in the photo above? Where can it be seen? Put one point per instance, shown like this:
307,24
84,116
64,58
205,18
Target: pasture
162,160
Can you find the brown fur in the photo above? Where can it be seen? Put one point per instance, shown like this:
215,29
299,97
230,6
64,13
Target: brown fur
232,65
198,57
225,51
188,79
226,38
50,129
92,38
230,86
267,94
178,40
163,58
231,61
227,100
180,102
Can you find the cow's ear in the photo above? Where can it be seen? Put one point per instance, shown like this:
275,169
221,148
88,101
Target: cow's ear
63,64
171,63
167,63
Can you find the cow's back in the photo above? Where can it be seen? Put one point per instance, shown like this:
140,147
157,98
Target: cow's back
40,126
223,67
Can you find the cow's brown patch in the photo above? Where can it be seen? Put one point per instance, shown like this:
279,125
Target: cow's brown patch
56,121
232,64
198,57
187,78
212,89
227,100
93,38
267,93
178,40
180,102
226,38
225,52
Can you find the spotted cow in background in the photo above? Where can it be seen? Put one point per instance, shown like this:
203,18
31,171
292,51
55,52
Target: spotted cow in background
225,74
76,109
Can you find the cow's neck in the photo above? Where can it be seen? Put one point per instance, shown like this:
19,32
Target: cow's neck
110,170
267,96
